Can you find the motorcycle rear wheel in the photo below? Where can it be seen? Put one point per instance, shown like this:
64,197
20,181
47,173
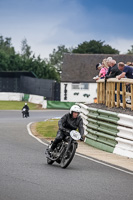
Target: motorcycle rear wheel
68,156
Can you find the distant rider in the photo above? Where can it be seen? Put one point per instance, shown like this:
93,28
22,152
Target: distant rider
27,109
70,121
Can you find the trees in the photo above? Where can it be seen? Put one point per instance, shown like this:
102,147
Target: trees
12,61
3,61
6,46
6,51
95,47
130,51
47,69
25,49
56,58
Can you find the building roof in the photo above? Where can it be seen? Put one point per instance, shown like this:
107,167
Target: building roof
82,67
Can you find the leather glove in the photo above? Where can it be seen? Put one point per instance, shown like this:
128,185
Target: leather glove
65,130
81,139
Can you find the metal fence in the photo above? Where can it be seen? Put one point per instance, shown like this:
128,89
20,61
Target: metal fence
30,85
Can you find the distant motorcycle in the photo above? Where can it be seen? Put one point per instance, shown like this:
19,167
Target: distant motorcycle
24,113
65,150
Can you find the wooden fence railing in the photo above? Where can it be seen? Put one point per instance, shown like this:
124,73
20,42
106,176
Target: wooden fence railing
114,92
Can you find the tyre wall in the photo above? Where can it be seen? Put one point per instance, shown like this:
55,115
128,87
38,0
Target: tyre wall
108,131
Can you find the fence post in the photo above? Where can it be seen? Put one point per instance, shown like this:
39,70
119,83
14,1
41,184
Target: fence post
112,91
107,93
104,93
131,96
118,95
109,99
113,94
98,93
124,94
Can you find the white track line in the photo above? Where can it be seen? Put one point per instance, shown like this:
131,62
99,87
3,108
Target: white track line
99,162
30,133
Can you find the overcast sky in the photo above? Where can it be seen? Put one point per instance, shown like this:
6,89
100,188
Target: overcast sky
47,24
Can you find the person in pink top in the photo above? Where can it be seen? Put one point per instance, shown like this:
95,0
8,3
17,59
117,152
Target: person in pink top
104,69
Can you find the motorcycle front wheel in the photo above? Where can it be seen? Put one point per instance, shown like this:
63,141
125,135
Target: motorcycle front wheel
68,156
50,162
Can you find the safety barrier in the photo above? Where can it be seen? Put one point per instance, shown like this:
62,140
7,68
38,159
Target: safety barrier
59,105
11,96
108,131
6,96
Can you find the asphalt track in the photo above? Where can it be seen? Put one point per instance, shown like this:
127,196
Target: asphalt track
25,175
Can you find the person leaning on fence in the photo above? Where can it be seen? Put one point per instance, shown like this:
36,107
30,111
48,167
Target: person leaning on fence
108,64
126,71
114,71
98,67
104,69
129,64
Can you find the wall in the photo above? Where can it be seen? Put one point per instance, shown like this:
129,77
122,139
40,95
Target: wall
78,95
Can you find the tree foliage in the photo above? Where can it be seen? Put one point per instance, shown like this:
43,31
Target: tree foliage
46,69
56,58
12,61
95,47
130,51
25,49
6,46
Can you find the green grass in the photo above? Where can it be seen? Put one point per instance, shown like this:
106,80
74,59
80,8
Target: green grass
47,129
17,105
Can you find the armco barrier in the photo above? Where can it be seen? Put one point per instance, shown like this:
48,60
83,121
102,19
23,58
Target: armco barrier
59,105
25,97
109,131
11,96
6,96
36,99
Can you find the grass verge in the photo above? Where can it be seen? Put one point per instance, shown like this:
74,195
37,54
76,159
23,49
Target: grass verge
17,105
47,129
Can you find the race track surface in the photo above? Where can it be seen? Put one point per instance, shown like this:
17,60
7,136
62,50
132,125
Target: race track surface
25,175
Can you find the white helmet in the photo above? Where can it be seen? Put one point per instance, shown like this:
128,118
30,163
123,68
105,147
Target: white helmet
75,108
25,103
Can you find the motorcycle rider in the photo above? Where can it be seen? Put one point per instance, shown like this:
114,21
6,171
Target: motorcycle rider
27,109
70,121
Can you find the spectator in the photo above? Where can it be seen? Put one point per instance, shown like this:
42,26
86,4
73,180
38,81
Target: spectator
108,64
104,69
108,60
129,64
98,67
114,71
127,71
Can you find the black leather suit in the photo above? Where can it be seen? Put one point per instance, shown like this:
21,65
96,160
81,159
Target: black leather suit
66,124
27,109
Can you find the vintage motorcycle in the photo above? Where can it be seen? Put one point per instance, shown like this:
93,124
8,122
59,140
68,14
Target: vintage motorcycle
65,150
24,113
